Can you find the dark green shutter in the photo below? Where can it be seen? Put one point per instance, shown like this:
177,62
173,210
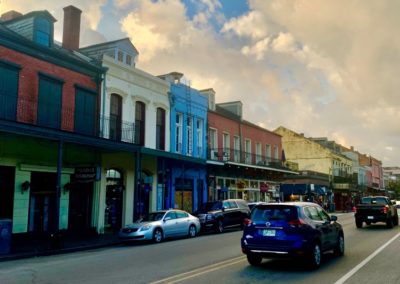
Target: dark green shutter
85,112
49,109
8,93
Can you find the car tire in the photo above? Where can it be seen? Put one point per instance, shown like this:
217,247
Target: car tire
368,223
254,259
359,224
220,227
396,220
315,256
389,223
157,235
339,248
192,231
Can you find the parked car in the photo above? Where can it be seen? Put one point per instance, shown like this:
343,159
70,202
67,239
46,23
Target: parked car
301,230
219,215
373,209
159,225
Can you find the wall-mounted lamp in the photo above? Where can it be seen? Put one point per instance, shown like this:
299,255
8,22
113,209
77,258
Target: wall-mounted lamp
67,187
25,186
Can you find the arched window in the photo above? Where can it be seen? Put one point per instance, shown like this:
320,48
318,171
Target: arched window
160,129
140,115
115,117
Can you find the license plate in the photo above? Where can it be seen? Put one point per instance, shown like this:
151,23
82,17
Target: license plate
268,233
370,217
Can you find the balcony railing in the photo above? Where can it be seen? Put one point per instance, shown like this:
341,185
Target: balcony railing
28,111
114,129
232,155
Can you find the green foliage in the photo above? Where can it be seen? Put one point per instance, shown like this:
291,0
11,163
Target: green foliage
394,185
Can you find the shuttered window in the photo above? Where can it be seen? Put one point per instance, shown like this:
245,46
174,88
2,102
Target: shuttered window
49,109
85,112
8,91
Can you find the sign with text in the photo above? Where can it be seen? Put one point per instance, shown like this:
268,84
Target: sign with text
87,174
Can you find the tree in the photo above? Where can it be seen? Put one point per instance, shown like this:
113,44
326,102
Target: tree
394,185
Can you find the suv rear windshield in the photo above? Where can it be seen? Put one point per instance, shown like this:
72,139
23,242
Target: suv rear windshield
271,213
374,200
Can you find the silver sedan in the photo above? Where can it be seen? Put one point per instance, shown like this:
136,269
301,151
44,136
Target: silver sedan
162,224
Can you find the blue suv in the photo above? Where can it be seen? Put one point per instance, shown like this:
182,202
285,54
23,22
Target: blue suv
291,229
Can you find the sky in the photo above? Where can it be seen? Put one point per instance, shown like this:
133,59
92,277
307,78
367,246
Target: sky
322,68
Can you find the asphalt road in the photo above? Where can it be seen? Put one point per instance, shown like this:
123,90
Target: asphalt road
372,256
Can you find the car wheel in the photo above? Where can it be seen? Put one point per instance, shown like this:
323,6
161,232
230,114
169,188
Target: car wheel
220,226
254,259
192,231
315,256
157,235
389,223
359,224
396,220
339,248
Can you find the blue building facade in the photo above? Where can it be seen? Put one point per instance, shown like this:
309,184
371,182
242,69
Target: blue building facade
184,180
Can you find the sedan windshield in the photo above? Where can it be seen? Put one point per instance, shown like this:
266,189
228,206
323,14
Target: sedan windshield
155,216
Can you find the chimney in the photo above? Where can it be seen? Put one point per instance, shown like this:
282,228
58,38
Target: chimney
10,15
72,26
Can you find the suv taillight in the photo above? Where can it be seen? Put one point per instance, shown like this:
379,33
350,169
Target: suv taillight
385,209
247,222
297,223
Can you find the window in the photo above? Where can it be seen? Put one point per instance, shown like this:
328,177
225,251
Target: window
160,129
43,32
276,152
213,143
128,60
115,117
49,104
85,112
248,151
140,114
199,130
8,91
120,56
181,214
225,142
178,132
258,152
236,147
268,152
189,136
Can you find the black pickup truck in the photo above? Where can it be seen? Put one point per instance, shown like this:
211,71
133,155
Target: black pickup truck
373,209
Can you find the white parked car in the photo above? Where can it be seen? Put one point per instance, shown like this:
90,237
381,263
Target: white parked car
162,224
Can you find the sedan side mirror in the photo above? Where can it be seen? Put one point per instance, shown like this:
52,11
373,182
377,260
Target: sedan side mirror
334,218
167,219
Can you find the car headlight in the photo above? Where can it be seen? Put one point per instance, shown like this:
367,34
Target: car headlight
209,217
145,227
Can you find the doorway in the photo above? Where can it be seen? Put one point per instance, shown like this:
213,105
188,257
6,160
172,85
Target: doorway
184,194
80,207
114,200
7,175
42,202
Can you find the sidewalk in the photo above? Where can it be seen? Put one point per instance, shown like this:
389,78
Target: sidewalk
27,246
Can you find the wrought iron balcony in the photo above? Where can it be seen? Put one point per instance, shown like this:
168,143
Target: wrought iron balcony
118,130
65,119
232,155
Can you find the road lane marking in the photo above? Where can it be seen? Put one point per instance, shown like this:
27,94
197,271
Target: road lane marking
200,271
365,261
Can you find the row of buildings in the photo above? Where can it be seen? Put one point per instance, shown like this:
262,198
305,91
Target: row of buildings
89,142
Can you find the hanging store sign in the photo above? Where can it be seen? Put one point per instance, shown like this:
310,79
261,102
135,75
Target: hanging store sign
87,174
